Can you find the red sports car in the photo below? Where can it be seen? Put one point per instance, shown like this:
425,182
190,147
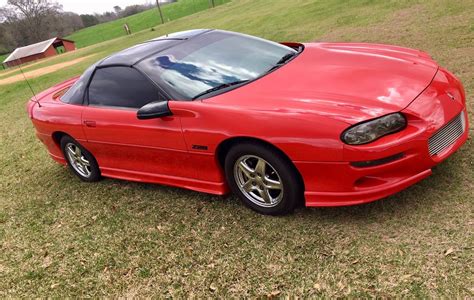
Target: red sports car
326,123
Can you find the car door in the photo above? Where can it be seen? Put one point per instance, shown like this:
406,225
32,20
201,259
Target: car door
123,145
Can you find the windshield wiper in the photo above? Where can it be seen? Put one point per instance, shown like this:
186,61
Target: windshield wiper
282,61
285,58
219,87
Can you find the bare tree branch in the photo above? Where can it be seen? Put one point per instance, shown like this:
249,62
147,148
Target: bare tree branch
31,20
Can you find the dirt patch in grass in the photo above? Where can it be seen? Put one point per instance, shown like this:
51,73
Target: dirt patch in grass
42,71
25,66
30,65
12,70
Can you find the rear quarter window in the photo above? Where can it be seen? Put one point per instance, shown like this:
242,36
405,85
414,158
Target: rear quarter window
75,94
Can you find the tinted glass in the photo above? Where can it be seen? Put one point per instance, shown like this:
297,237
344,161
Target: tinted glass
210,60
75,94
121,87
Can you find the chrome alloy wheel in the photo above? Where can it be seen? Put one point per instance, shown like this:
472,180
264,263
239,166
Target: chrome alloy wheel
258,181
77,160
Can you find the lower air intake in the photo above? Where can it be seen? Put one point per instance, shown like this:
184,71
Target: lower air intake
447,135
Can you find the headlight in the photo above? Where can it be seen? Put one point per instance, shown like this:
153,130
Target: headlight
369,131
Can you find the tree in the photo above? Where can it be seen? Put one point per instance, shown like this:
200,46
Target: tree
117,10
7,43
89,20
132,9
106,16
31,20
67,23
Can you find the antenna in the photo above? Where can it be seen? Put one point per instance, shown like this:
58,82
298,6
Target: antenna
27,82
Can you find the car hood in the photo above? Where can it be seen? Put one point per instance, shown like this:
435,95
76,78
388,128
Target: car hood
346,81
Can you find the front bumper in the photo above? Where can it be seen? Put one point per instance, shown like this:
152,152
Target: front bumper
342,183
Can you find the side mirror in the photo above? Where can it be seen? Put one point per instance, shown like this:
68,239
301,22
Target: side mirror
153,110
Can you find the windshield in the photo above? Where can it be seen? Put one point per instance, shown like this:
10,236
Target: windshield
214,59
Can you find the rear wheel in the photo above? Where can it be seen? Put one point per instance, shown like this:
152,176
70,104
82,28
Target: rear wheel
262,178
79,160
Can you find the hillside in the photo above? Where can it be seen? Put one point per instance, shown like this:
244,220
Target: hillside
144,20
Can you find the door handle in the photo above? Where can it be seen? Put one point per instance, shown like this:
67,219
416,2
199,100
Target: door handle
89,123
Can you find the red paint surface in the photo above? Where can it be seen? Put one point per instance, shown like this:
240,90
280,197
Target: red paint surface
69,46
301,109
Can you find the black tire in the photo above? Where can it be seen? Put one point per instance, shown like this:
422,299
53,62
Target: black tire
88,173
278,168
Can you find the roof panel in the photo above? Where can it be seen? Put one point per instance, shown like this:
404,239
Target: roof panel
182,35
30,50
132,55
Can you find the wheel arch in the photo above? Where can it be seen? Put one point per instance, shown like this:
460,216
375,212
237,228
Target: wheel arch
224,147
57,136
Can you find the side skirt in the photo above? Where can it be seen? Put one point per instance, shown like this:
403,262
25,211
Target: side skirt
216,188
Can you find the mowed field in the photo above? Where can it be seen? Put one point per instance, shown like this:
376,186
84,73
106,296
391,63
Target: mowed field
144,20
62,237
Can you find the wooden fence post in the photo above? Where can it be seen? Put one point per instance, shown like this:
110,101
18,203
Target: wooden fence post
159,9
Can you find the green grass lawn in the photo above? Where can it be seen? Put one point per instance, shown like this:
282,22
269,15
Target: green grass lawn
2,58
62,237
144,20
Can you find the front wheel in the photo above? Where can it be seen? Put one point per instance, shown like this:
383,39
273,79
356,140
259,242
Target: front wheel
79,160
263,179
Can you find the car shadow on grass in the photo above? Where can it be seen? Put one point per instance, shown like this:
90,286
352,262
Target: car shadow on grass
419,199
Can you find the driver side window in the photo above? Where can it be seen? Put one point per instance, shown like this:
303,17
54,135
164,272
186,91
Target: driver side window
121,87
